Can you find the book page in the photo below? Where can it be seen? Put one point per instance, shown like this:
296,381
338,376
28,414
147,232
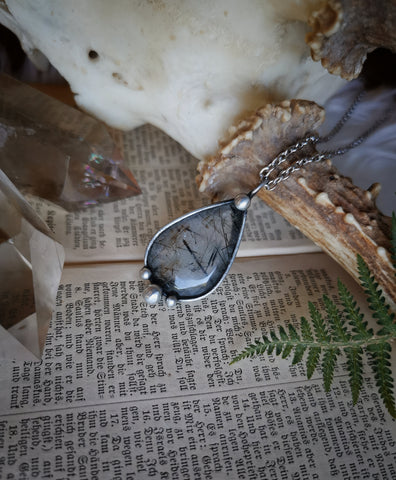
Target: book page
166,173
130,391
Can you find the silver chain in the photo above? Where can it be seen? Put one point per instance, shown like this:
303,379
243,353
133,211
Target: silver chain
269,183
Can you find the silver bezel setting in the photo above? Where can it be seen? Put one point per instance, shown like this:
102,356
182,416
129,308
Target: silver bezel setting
187,215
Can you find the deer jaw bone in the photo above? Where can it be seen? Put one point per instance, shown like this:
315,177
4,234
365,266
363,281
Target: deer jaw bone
190,68
327,207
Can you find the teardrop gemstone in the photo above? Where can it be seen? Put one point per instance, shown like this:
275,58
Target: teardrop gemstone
189,257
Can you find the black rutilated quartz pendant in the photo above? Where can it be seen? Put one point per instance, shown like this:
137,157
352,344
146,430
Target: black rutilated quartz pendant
189,257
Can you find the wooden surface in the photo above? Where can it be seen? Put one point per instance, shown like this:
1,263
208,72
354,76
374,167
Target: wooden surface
60,92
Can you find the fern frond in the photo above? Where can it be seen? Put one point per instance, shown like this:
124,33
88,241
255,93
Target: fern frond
380,353
289,345
328,366
257,348
312,360
352,313
278,344
319,326
298,353
306,331
353,338
293,334
375,299
322,336
355,370
270,348
294,339
339,331
287,350
282,334
307,336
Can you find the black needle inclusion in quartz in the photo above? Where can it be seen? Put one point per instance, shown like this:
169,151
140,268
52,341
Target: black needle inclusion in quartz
189,257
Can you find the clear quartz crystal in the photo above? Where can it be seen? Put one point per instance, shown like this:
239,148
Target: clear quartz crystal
189,258
31,263
56,152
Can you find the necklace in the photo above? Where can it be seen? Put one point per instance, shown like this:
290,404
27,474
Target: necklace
188,258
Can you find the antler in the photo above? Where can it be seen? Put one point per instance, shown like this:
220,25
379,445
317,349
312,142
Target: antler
326,206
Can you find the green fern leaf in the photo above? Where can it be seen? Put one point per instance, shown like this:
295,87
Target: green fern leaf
293,333
273,336
282,334
270,348
320,328
278,349
352,313
287,350
328,366
355,370
306,331
380,353
275,343
293,342
258,348
298,353
312,360
307,336
339,332
375,299
321,334
352,338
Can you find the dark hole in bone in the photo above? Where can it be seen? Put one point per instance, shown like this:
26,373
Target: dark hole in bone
93,55
379,68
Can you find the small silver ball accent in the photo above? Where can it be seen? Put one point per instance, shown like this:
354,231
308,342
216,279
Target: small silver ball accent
171,301
242,201
152,294
145,273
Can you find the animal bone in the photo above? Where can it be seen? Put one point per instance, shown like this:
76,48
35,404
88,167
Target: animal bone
189,67
193,68
345,31
338,216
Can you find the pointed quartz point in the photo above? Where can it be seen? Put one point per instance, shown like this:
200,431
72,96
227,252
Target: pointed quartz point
189,257
31,264
56,152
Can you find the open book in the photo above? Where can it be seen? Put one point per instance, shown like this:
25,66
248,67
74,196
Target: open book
130,391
